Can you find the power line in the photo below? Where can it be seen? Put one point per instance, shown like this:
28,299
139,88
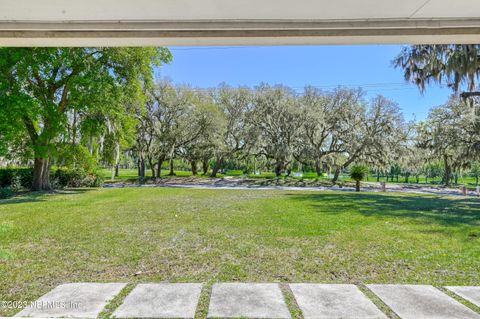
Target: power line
363,85
217,48
384,86
365,88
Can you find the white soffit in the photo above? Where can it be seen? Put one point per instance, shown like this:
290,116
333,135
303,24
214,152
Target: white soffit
239,22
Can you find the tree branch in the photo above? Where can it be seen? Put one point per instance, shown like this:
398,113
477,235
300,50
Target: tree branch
32,132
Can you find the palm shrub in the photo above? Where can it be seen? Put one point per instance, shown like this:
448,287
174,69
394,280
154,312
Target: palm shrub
358,173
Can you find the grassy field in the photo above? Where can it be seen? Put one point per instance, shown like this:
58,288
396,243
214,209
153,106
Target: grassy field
132,174
187,235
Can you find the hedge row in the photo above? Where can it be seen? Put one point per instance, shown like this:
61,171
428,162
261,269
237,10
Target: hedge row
22,178
75,178
16,177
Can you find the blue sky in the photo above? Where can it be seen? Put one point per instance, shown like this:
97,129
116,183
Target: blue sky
363,66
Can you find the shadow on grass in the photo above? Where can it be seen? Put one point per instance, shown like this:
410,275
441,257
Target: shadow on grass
436,209
31,197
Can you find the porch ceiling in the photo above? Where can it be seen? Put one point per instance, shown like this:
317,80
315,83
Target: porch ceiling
236,22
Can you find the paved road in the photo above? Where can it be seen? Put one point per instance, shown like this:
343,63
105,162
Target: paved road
368,187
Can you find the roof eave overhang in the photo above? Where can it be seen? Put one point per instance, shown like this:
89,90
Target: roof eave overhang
238,32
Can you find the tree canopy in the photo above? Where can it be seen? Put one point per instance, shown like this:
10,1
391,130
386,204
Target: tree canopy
44,92
454,65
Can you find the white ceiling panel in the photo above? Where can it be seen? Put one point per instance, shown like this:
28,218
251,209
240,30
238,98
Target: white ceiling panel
221,22
449,9
55,10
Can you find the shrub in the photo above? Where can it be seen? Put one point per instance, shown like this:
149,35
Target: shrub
268,175
78,154
93,180
25,177
6,192
358,173
234,173
6,177
66,177
314,175
16,177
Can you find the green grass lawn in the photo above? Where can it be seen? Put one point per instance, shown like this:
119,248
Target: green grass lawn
187,235
132,174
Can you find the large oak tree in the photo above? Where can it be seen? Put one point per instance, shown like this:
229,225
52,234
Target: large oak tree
39,87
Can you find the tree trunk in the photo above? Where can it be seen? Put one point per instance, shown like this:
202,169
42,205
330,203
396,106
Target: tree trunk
336,174
74,127
378,175
117,170
194,167
218,165
152,166
172,168
171,158
161,159
318,169
41,174
117,161
446,178
278,168
345,165
141,168
289,171
476,180
357,186
205,167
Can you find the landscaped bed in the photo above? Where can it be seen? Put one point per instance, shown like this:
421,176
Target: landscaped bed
190,235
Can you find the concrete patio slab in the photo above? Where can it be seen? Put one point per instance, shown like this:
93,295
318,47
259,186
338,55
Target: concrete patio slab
421,302
321,301
247,300
166,300
470,293
75,300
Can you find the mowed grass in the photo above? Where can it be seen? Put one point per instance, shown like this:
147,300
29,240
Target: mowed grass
132,174
188,235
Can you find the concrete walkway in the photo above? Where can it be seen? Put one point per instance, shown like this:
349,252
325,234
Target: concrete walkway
253,300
